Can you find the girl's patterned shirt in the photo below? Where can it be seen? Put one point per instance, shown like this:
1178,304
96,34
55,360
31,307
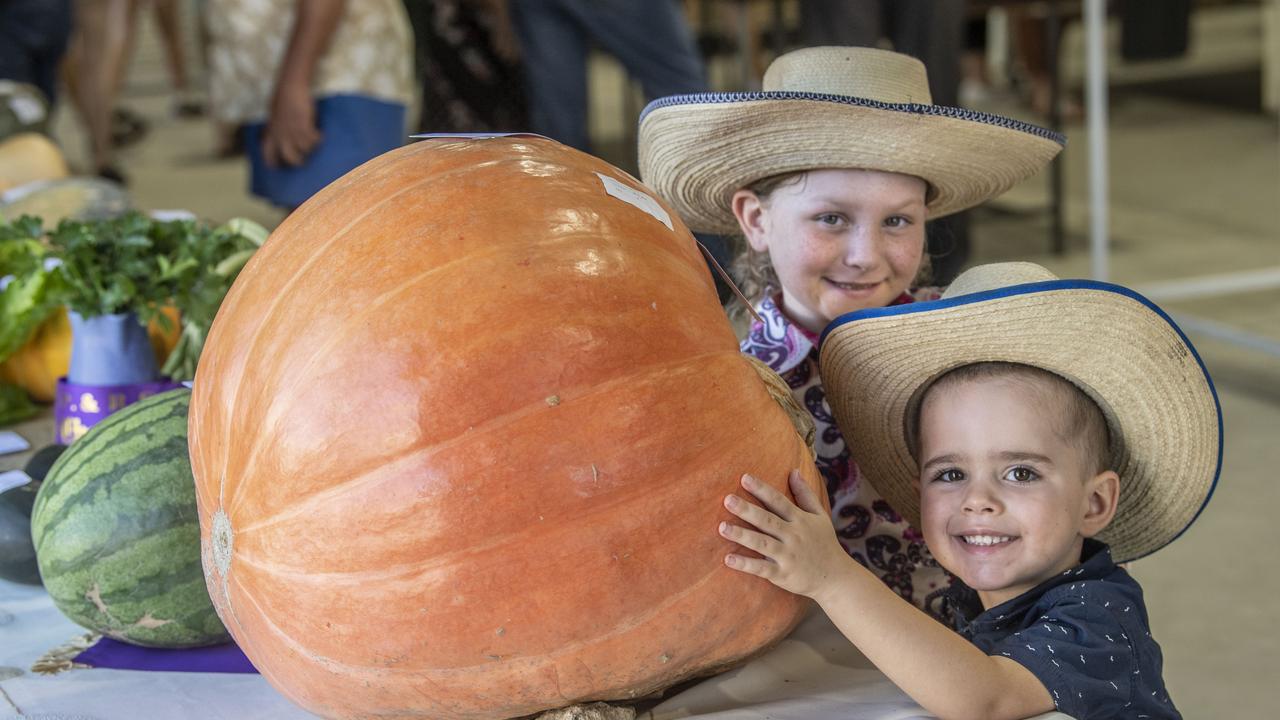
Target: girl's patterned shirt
869,530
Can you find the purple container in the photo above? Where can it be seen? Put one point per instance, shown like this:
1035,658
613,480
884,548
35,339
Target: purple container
76,408
110,350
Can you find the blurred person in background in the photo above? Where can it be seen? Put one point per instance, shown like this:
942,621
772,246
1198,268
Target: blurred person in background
468,58
94,72
321,86
101,50
931,31
168,19
33,39
650,39
1032,44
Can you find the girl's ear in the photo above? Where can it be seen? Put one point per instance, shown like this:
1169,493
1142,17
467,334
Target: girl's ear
750,212
1102,494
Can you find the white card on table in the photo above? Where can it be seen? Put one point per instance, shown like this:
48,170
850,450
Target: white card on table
12,479
12,442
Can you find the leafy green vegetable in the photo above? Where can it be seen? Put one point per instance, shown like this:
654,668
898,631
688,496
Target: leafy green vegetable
14,404
130,264
203,272
24,284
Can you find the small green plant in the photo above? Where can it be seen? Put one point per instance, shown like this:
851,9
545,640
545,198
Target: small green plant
130,264
24,283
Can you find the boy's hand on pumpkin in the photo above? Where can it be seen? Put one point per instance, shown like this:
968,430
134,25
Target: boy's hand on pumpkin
798,542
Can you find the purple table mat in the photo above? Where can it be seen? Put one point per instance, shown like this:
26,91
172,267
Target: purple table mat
108,653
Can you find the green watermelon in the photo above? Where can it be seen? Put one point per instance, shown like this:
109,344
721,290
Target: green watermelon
116,533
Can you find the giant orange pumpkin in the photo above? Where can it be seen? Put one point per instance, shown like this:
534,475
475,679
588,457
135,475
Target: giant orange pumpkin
460,435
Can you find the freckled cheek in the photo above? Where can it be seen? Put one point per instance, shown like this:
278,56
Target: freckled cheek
814,255
908,253
905,256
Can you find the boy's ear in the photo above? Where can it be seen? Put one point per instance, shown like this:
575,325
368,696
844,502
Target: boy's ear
749,211
1102,495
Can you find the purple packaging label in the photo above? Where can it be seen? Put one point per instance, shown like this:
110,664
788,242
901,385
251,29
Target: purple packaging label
79,407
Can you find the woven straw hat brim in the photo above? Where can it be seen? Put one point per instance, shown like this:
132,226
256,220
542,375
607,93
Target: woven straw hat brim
697,150
1122,350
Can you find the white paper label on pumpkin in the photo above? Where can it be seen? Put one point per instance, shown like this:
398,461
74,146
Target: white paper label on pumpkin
634,197
12,479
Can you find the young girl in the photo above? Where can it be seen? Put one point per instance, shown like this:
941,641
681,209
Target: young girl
830,174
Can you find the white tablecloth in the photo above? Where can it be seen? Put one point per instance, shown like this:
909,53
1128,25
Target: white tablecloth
815,673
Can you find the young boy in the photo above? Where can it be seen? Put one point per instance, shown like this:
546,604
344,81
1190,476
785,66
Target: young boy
1019,421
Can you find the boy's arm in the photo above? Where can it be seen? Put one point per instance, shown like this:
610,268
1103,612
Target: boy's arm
946,674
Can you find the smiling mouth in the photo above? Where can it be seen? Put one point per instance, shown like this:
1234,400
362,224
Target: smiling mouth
986,540
853,286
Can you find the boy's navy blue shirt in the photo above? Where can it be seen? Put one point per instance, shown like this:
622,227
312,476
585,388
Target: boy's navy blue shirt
1084,634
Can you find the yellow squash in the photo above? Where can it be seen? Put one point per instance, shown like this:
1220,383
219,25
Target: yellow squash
37,365
27,157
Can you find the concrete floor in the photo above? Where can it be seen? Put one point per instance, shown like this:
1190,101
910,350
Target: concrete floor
1195,189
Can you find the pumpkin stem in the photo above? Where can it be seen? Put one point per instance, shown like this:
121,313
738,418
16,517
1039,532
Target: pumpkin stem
778,389
591,711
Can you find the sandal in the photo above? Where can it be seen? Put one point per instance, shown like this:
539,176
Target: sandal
127,127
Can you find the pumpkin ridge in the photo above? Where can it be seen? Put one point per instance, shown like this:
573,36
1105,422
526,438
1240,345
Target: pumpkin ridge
317,252
265,618
280,410
678,265
327,662
281,293
433,563
495,424
242,638
630,624
224,599
626,621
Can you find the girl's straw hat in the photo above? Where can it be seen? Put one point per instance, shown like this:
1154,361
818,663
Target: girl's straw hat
1115,345
831,107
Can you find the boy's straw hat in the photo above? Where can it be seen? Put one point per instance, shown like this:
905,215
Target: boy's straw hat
1115,345
831,107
